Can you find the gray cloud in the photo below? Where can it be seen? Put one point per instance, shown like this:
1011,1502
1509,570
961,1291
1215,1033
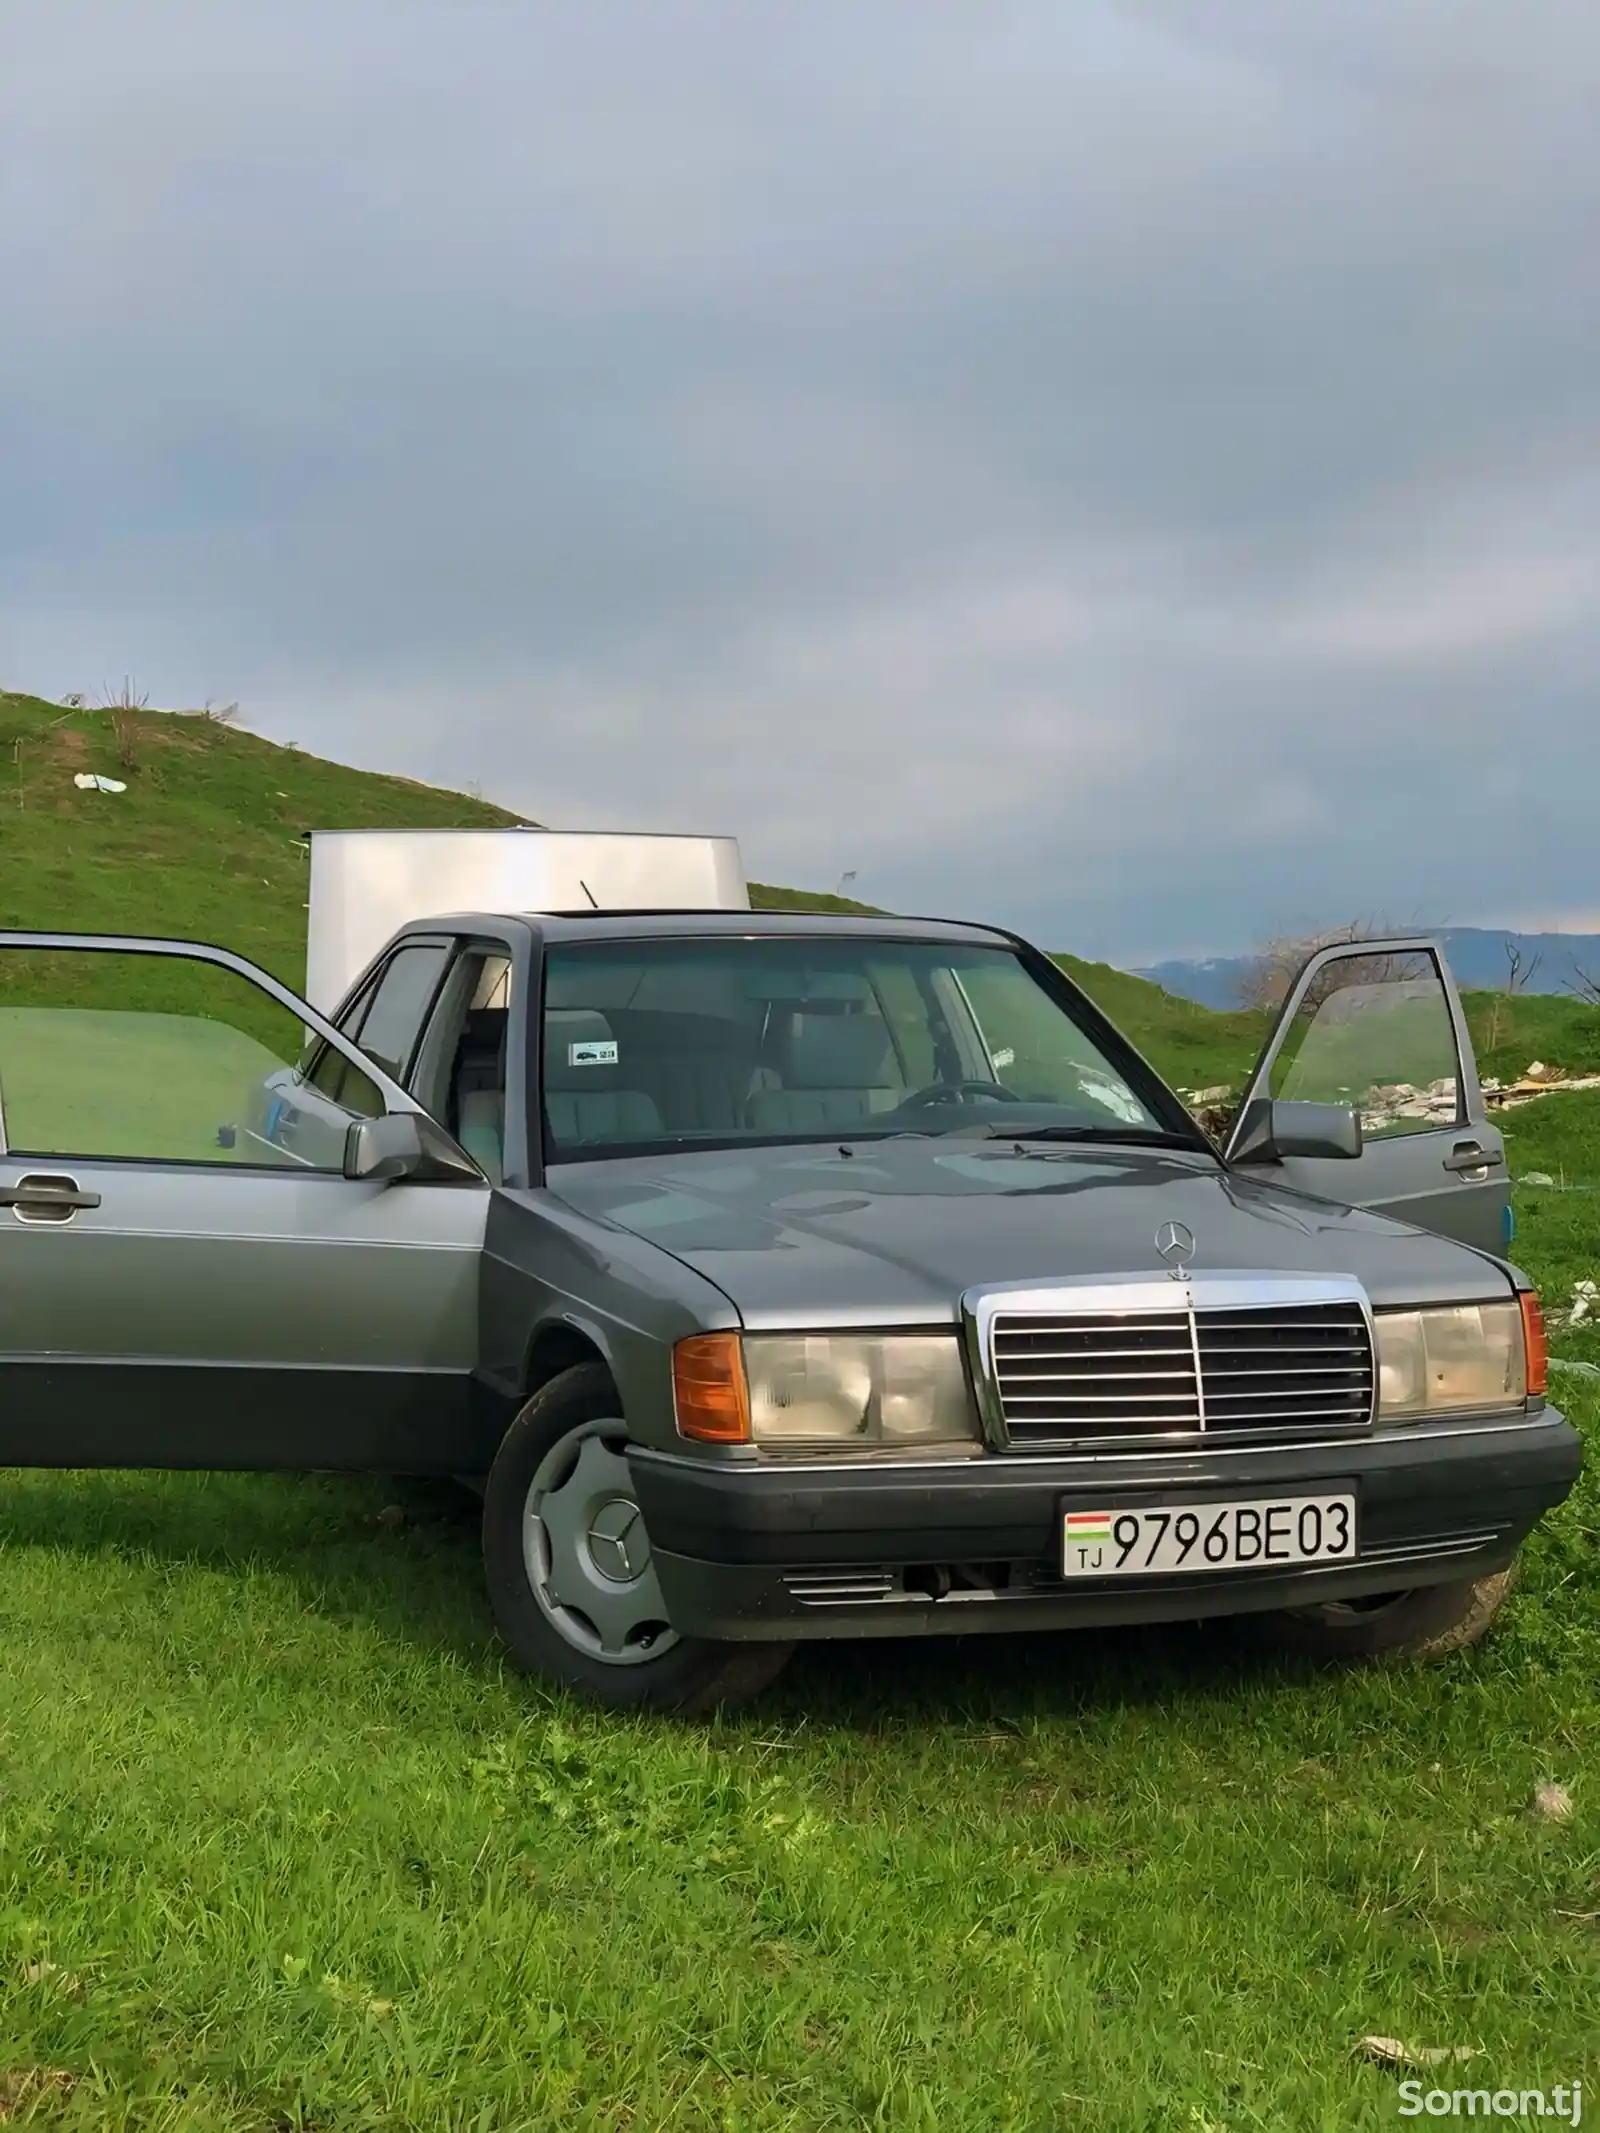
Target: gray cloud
1125,470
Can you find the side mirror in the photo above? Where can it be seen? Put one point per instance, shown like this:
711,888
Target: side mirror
1268,1132
405,1144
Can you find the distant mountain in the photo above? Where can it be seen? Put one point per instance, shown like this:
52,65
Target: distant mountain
1477,955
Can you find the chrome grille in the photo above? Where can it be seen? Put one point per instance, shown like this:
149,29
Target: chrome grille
1102,1376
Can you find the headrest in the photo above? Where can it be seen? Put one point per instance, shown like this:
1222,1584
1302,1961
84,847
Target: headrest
839,1052
483,1033
579,1050
791,980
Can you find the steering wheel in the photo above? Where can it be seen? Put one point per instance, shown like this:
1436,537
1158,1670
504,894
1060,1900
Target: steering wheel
940,1094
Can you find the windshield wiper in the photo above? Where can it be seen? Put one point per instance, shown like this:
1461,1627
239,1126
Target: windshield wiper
1141,1136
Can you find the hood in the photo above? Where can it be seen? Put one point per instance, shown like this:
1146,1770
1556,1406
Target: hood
894,1233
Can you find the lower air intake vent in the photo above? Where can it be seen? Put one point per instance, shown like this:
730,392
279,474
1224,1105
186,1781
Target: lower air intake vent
839,1588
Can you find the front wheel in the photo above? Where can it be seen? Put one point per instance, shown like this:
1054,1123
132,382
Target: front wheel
1427,1623
570,1573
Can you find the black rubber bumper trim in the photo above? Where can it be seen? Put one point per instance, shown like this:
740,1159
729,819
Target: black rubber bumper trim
744,1603
1006,1506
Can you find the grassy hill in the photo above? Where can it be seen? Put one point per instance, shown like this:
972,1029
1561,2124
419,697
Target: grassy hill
206,843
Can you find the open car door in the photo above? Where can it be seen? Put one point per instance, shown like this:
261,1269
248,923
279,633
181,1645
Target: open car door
207,1259
1377,1027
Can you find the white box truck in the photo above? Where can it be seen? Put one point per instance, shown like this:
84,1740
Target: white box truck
366,884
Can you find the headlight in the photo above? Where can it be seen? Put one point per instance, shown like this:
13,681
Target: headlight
810,1390
819,1389
1440,1362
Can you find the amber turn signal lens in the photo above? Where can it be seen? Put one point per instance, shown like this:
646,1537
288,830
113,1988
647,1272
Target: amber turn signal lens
1534,1344
709,1390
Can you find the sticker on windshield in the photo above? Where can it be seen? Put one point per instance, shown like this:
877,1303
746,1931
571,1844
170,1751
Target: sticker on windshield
1003,1058
593,1051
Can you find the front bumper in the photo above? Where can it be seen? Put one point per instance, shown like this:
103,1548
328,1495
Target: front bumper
748,1551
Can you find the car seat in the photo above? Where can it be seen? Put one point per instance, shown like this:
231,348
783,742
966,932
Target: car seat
836,1069
478,1090
586,1092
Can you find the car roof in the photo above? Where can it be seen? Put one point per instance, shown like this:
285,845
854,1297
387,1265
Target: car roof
722,925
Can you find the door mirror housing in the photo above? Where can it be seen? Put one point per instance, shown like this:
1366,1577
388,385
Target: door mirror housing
406,1144
1269,1131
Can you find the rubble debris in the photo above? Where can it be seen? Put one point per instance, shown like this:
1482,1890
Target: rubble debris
1382,1106
1549,1081
1389,2051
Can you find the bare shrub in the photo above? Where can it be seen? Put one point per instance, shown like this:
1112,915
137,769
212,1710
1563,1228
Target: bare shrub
127,709
1521,970
1271,973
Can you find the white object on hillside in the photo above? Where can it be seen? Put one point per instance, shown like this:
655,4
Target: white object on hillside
90,781
367,884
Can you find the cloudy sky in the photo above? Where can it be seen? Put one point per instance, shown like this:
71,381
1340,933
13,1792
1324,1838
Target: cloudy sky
1126,470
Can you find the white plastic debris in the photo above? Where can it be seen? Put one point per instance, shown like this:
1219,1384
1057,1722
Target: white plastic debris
1537,1177
91,781
1585,1296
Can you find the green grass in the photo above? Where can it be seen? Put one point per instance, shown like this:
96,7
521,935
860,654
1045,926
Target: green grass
1558,1228
1509,1032
281,1846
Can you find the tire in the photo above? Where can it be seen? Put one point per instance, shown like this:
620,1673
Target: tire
558,1506
1400,1627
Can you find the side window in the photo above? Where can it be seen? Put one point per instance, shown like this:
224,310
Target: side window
329,1071
389,1029
1375,1032
164,1058
465,1040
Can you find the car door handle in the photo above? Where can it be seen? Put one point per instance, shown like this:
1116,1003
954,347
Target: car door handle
1468,1158
40,1198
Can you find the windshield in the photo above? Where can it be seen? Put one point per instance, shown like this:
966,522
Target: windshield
669,1042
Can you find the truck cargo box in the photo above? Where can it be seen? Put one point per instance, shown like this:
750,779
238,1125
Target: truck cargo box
366,884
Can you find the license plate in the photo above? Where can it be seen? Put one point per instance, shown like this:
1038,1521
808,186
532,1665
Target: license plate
1261,1533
